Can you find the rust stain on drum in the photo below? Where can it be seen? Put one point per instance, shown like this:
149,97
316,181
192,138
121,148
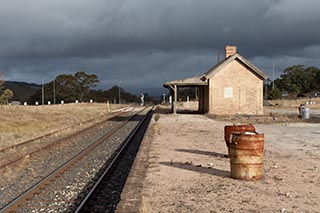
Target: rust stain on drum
228,130
246,156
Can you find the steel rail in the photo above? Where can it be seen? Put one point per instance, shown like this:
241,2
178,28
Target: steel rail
14,204
56,142
112,163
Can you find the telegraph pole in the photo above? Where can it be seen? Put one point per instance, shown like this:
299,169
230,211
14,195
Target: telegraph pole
119,93
54,91
42,92
273,75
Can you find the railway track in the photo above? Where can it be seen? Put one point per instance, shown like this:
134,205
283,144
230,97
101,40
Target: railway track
27,148
63,188
23,172
106,192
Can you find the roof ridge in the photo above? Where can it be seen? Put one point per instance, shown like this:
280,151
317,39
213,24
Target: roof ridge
226,61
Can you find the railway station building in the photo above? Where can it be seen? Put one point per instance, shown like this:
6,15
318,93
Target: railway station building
233,86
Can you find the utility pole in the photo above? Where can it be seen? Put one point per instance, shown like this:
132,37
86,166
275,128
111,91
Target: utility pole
42,92
196,88
273,75
54,91
119,93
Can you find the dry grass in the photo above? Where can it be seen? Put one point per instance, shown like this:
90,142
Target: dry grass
296,103
19,123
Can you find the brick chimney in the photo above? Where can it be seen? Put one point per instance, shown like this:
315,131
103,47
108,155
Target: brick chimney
230,50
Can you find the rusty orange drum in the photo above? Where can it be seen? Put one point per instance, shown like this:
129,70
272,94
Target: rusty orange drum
228,130
246,155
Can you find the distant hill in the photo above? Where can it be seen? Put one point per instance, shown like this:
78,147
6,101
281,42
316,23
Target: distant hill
22,91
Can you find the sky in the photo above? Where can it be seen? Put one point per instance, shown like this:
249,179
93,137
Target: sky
144,43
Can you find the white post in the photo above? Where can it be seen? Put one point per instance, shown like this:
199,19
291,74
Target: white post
196,92
188,101
54,91
142,99
175,99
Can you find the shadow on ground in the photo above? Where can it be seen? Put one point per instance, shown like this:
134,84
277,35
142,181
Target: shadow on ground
167,110
201,152
313,119
197,168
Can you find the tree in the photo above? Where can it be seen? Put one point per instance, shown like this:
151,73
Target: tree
112,95
274,94
65,88
83,83
297,80
294,68
314,73
98,96
68,88
184,92
316,82
6,96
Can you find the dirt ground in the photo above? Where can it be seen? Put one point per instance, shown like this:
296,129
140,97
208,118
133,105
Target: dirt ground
188,170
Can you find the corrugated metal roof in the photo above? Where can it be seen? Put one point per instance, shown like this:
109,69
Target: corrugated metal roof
193,81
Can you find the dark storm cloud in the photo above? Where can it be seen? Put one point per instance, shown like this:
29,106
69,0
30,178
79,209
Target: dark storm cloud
146,42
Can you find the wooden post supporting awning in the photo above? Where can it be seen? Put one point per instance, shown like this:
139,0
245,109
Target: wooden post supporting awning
174,95
189,82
